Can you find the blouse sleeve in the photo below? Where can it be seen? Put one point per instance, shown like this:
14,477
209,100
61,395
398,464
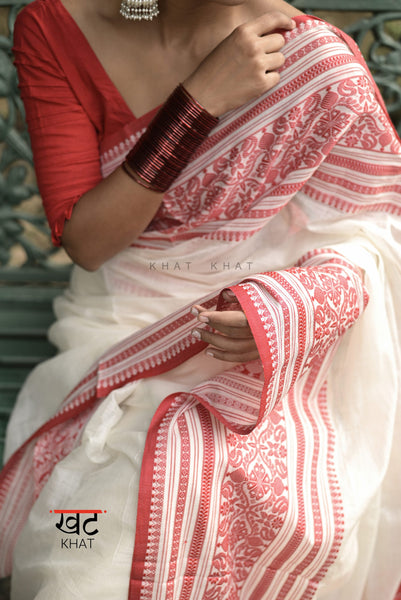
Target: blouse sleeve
63,138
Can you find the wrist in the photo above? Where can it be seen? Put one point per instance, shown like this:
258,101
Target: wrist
172,137
199,91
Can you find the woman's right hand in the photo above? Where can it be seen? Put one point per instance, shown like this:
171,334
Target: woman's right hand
243,66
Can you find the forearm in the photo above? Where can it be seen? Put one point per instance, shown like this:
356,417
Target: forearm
110,216
108,219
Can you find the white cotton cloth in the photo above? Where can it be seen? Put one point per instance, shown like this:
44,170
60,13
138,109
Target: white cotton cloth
103,471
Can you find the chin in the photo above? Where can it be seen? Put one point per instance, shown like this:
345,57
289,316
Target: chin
230,2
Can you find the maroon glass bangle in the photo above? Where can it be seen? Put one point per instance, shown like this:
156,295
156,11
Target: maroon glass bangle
172,137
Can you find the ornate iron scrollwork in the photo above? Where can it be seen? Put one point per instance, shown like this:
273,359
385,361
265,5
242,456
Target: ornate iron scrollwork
24,233
379,38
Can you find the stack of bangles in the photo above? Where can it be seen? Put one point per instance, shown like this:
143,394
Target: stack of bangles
172,137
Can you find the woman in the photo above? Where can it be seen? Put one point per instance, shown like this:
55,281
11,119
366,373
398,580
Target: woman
244,452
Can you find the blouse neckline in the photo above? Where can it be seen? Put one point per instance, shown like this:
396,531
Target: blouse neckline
95,64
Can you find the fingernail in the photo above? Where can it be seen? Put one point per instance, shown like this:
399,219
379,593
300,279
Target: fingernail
194,311
209,353
203,318
196,334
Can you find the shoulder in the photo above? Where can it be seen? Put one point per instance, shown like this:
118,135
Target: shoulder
324,63
35,43
34,22
315,40
321,53
34,12
38,32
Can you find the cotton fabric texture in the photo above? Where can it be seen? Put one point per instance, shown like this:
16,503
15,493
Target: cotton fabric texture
272,479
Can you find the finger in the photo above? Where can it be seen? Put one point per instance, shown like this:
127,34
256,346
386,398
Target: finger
237,330
229,318
229,296
272,43
269,22
232,323
225,318
233,356
223,342
274,61
197,311
272,79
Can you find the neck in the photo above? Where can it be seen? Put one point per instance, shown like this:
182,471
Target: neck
190,26
191,23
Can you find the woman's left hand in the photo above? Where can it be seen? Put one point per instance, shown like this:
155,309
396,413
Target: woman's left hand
232,339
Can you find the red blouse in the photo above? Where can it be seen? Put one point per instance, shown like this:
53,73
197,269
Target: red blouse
72,106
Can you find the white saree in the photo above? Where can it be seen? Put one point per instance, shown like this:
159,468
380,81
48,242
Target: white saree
275,479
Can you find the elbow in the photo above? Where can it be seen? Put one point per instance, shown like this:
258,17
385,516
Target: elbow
78,241
89,242
87,263
82,256
82,250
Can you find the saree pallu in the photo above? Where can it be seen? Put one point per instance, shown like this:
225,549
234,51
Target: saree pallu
272,479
